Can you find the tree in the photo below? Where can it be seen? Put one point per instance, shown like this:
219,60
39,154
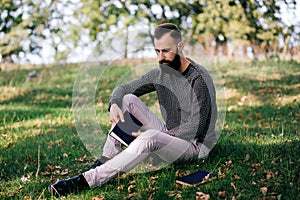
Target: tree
21,28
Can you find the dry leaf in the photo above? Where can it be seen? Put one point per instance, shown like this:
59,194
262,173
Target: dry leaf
48,116
45,173
222,193
269,174
202,196
264,190
235,176
64,172
228,163
38,124
82,158
50,167
247,157
98,198
232,184
174,193
50,144
132,195
59,142
120,187
258,116
131,188
256,166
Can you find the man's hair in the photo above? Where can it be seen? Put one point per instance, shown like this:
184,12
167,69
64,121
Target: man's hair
165,28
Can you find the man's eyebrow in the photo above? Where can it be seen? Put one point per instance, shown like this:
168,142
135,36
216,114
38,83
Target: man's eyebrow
165,49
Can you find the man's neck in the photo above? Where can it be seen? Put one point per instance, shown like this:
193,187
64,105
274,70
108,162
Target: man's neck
184,64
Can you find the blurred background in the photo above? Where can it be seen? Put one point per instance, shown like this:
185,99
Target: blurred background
43,32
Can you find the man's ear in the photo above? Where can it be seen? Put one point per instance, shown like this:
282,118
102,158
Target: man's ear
180,46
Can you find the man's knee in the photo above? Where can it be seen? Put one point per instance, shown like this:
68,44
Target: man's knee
149,134
129,99
149,138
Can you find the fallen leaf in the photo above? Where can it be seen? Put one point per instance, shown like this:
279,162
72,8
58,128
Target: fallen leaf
264,190
120,187
232,184
82,158
21,187
202,196
59,142
222,193
269,174
256,166
174,193
98,198
247,157
48,116
228,163
64,172
50,167
258,116
235,176
131,188
45,173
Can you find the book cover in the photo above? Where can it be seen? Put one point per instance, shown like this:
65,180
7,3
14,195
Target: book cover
196,178
123,130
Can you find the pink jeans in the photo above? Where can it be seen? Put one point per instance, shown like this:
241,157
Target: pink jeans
152,145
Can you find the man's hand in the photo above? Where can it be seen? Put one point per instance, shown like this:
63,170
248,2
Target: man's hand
136,134
115,114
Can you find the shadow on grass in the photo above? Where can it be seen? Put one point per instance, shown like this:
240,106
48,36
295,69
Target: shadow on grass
286,85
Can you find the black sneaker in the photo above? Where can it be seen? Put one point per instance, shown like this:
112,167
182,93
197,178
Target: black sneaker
67,186
100,161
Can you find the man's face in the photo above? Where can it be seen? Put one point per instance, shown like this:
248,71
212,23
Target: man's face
167,51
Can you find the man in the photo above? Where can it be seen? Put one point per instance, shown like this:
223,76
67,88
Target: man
186,96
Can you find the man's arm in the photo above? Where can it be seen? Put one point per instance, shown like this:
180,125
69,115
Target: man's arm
137,87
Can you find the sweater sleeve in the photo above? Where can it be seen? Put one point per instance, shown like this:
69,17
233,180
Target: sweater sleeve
196,125
138,87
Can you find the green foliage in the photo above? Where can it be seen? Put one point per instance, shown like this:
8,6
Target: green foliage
258,148
67,24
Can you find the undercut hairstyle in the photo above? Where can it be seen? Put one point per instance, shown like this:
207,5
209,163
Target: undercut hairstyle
165,28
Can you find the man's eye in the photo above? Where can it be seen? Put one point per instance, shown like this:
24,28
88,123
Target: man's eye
163,50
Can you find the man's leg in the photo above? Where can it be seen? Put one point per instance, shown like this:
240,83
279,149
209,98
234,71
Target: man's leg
167,147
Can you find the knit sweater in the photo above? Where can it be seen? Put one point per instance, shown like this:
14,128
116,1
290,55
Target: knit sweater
187,101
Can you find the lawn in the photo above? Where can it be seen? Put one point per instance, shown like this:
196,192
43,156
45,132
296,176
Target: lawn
257,155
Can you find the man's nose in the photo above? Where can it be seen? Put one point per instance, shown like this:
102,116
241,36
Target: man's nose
161,55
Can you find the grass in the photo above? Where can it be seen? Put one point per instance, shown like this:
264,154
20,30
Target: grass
257,155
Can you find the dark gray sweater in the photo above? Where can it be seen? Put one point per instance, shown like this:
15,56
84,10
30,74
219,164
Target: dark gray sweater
187,100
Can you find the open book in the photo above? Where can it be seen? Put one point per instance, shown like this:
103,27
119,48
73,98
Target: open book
196,178
122,131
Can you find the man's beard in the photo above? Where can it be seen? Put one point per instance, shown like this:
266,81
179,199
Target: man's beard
173,64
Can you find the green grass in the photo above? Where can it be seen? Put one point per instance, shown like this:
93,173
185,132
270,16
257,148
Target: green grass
259,145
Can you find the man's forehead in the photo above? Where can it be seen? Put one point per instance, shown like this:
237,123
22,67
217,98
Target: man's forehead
166,41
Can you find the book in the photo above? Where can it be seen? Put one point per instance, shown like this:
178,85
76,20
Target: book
197,178
122,131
